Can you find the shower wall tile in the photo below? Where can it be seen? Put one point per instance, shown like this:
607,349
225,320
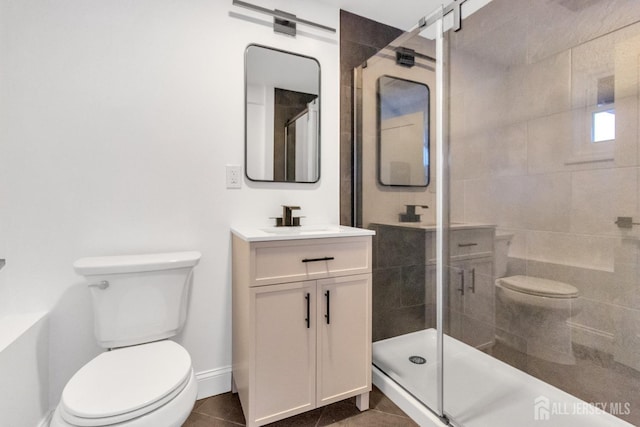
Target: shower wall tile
457,115
402,320
594,315
627,339
599,196
546,202
497,152
597,54
457,158
412,288
593,252
588,20
386,289
456,200
398,247
360,38
626,151
516,267
549,143
541,88
500,200
480,117
627,251
366,32
477,333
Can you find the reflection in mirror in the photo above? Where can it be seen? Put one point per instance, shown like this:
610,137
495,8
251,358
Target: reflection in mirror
282,119
403,132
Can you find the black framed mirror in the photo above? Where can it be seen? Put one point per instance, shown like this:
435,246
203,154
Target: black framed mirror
282,116
403,132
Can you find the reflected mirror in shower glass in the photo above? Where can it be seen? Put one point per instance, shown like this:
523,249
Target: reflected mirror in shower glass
403,132
282,116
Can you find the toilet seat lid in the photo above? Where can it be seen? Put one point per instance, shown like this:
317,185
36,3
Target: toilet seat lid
539,287
126,381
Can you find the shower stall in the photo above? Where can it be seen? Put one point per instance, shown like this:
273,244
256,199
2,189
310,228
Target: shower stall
497,157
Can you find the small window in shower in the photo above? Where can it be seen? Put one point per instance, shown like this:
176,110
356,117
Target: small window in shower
603,117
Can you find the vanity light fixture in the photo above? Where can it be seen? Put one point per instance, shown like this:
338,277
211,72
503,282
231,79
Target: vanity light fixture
283,22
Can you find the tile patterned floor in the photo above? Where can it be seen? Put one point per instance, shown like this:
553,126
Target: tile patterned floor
224,411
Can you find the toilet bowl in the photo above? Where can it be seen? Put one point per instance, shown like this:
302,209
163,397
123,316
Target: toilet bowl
532,313
537,310
146,380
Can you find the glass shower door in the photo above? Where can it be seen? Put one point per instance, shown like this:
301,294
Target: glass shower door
397,151
543,306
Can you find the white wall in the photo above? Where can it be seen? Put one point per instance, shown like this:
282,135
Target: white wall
116,121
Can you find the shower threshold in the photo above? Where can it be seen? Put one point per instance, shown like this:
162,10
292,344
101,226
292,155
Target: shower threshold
479,390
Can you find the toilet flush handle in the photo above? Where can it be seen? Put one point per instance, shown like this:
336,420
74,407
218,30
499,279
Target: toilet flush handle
100,285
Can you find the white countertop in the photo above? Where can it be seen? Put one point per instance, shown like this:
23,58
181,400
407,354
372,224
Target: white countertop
261,234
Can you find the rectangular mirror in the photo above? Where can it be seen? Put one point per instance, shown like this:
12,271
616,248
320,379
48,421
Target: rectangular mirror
282,116
403,132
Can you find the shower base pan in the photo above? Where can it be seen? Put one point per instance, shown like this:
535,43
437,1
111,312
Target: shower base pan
479,390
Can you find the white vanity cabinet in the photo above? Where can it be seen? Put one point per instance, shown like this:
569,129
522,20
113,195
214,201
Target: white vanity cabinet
301,323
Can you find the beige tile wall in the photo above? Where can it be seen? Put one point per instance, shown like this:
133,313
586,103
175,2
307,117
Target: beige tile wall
521,94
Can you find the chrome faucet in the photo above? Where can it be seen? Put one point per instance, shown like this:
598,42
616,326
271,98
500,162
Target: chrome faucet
410,215
288,220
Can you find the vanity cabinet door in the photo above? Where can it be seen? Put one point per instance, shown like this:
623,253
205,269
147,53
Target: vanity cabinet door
471,302
344,337
479,304
284,346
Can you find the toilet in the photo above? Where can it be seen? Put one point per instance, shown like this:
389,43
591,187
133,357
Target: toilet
534,310
144,380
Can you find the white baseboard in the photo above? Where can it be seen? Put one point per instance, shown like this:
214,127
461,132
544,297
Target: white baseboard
214,381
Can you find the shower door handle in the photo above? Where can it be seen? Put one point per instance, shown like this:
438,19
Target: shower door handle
473,281
461,288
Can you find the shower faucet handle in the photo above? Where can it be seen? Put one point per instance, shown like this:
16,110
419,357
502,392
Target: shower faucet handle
625,222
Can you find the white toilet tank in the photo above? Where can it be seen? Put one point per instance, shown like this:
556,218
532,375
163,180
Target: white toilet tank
138,298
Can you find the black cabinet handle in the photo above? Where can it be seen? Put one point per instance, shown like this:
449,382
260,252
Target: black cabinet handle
326,258
308,318
461,288
327,316
466,245
473,281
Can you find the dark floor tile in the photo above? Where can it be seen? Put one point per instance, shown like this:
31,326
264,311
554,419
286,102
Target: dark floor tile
224,410
338,411
380,402
373,418
306,419
223,406
201,420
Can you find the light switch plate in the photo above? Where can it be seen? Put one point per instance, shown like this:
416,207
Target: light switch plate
234,176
